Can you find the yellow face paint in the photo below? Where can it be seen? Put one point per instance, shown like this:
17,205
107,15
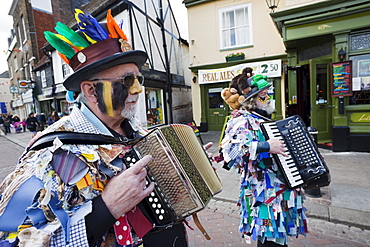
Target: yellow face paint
107,97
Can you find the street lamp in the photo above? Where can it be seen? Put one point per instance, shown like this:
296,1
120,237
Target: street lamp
272,4
341,54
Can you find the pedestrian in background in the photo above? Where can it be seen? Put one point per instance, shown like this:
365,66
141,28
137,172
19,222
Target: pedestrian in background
7,123
53,118
270,212
24,124
41,118
32,123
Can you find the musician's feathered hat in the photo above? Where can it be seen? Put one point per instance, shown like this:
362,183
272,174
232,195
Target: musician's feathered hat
259,83
102,45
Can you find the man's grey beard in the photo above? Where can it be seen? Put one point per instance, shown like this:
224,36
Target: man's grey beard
267,106
129,112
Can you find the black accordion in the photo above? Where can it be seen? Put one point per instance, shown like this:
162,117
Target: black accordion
184,178
304,166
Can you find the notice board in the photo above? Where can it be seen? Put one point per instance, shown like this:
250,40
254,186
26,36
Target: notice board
341,79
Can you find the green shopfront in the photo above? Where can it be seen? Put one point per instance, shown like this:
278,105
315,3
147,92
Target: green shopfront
328,70
213,78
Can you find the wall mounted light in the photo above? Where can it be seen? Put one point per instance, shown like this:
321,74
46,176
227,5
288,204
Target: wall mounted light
272,4
341,54
194,79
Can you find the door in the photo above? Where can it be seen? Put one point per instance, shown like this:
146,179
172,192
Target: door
217,108
320,97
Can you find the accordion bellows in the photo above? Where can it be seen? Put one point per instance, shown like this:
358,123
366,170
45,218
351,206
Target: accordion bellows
184,176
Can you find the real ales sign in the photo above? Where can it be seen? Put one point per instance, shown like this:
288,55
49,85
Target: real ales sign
270,68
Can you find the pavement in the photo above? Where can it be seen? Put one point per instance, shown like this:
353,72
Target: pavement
340,216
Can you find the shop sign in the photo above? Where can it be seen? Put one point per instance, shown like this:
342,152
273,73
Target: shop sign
23,83
360,117
270,68
341,79
14,89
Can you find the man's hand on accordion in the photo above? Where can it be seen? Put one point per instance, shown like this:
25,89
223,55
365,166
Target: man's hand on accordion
277,147
125,190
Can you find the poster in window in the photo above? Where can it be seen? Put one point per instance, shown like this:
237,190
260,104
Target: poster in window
341,78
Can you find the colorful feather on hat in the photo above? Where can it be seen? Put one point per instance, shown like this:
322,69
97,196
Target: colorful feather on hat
74,39
59,44
114,30
90,27
65,59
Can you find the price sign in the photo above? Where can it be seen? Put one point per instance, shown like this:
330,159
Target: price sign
341,79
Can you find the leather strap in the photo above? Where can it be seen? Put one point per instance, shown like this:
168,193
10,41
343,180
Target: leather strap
68,137
199,225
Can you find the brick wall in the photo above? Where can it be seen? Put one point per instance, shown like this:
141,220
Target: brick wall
43,22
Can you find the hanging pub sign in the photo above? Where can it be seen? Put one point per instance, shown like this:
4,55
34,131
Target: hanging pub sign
341,79
23,83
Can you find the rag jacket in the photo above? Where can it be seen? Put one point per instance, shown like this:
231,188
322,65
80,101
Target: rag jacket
66,182
268,209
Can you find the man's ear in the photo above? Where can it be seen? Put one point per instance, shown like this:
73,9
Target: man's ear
88,89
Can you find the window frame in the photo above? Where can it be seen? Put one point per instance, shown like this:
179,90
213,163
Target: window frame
24,30
43,79
248,26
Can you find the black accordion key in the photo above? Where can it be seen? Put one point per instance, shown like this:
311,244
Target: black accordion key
156,207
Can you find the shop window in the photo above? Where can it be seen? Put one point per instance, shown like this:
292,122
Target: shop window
154,106
360,79
235,26
65,107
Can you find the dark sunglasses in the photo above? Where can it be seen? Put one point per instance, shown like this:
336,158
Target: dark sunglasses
128,80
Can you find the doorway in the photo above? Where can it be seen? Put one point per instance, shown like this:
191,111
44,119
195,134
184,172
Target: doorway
218,110
312,101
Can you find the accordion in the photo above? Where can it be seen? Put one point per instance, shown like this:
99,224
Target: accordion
304,165
184,178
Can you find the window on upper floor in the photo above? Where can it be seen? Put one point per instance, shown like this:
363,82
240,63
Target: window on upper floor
235,24
43,79
15,64
24,30
19,38
66,70
10,71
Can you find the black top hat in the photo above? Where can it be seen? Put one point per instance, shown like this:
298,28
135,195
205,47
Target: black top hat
102,46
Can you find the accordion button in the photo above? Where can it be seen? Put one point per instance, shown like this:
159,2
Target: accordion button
154,205
160,217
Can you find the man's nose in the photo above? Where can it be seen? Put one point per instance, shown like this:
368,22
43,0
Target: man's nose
136,87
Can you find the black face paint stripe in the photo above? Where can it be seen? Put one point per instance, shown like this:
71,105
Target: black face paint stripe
120,93
99,87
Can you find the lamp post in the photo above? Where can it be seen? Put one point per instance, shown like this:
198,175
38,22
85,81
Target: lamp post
272,4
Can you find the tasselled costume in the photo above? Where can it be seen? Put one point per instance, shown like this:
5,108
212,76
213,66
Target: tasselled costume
268,210
69,178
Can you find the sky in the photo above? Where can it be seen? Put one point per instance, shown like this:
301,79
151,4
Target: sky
6,24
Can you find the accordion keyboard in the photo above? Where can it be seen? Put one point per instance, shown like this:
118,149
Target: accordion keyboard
304,162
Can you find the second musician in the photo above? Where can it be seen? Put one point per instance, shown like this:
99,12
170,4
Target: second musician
269,211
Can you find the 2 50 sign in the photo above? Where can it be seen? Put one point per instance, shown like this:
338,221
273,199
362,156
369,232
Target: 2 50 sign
271,69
